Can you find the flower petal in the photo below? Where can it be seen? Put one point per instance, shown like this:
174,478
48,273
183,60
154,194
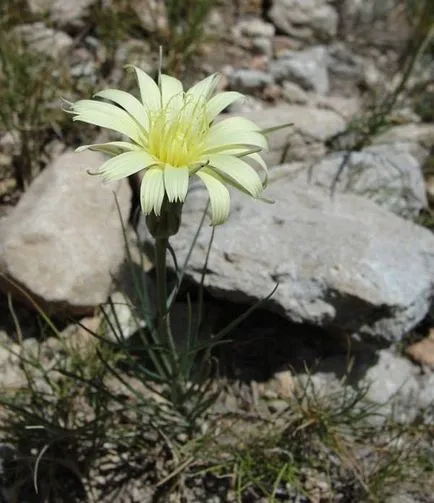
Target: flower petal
239,150
149,90
236,124
152,191
221,140
108,116
218,195
129,103
258,159
205,88
110,148
171,91
126,164
236,172
176,183
219,102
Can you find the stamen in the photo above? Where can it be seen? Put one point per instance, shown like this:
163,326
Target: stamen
176,136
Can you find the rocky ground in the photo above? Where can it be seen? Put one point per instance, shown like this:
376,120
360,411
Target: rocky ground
327,390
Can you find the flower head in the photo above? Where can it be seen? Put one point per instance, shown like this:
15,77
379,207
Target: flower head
173,136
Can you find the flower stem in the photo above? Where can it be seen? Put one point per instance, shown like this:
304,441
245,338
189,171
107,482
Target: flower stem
164,333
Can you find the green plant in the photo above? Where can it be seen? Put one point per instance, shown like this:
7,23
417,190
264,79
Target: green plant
29,111
182,32
172,138
176,25
113,22
376,117
57,426
325,445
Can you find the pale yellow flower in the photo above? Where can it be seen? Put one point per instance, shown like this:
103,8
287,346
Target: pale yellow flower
173,136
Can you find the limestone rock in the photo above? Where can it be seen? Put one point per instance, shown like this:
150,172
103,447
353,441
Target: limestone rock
307,68
340,262
389,175
63,241
293,93
61,11
348,71
41,38
305,19
347,108
413,133
311,127
254,27
249,80
356,13
393,385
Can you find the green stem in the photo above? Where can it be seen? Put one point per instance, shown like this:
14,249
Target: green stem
161,271
164,333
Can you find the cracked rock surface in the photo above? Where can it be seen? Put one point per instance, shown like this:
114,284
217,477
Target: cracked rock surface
340,262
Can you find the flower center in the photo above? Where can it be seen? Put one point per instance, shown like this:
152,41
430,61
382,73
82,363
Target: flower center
178,130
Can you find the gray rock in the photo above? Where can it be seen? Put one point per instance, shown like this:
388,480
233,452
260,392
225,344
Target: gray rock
342,262
307,68
364,12
311,127
305,19
393,385
245,79
53,43
263,45
11,372
347,70
153,17
245,106
121,318
389,175
347,108
133,52
293,93
412,133
63,241
254,27
390,386
426,398
61,11
320,384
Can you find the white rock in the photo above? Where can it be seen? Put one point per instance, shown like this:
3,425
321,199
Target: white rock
61,11
152,14
63,241
246,105
306,19
426,397
121,318
389,175
53,43
307,68
345,66
249,80
347,108
254,27
393,385
364,12
263,45
293,93
419,133
340,262
309,126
